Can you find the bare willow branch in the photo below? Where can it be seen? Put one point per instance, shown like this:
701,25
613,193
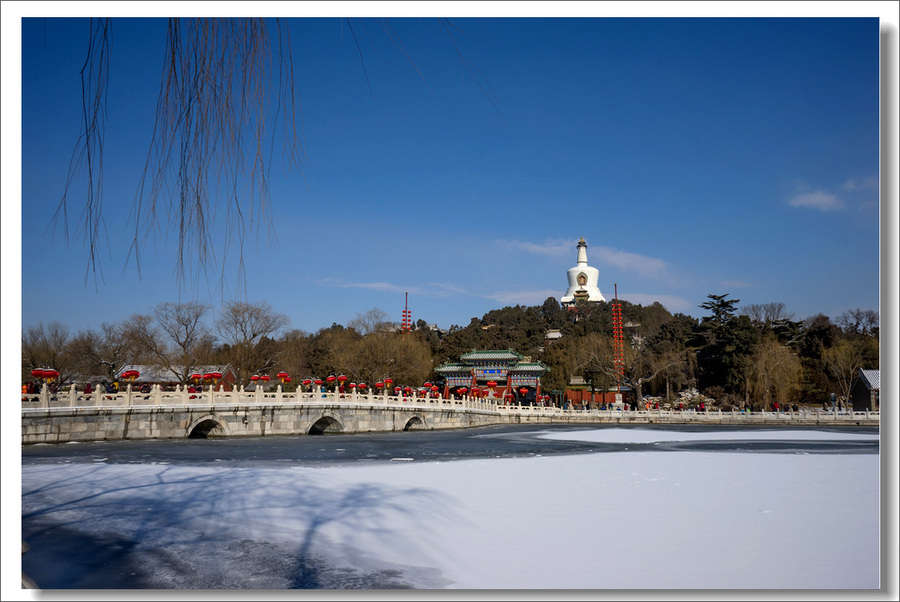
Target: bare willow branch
87,156
212,138
207,167
226,84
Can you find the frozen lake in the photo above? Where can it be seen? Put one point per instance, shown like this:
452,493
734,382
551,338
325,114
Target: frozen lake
524,507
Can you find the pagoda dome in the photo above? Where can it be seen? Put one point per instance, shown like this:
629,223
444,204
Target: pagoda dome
582,280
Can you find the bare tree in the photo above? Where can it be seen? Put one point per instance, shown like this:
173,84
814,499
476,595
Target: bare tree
243,326
175,336
373,320
767,314
105,352
47,347
859,321
641,365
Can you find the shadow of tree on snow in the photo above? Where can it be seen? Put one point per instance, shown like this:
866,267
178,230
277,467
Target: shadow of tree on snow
96,526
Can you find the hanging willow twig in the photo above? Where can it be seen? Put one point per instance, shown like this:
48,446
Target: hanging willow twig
88,153
212,145
206,175
212,142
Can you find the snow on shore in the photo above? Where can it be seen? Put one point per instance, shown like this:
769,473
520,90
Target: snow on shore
629,520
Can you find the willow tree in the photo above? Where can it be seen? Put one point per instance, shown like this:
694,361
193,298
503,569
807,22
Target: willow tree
227,108
774,372
221,81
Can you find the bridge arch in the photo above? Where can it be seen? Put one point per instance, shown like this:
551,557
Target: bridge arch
415,423
208,426
325,424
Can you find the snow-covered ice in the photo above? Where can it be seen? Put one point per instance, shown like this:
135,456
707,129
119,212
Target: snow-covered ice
626,520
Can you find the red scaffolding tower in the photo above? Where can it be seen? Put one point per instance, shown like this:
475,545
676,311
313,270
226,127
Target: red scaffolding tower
618,341
407,316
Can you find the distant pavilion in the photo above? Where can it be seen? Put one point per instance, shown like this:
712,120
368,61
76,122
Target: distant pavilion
508,370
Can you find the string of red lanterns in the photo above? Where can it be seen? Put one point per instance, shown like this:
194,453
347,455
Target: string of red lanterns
46,374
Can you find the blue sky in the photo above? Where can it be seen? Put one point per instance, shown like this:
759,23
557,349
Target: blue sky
695,157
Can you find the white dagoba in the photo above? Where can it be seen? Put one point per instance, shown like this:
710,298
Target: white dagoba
582,280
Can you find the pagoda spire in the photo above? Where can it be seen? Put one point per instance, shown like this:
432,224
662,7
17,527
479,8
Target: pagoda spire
582,252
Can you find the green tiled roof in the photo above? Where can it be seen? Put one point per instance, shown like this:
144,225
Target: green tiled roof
452,367
531,366
490,354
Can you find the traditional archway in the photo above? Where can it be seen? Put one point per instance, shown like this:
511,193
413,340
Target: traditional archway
325,425
206,427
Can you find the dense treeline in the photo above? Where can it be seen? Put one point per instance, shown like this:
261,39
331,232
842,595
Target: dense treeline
736,355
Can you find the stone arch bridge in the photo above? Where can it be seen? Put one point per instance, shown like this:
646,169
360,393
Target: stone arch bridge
71,416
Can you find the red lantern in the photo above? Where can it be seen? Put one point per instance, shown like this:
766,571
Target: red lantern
255,377
38,373
388,381
265,378
523,390
434,388
196,376
462,391
307,381
331,379
287,379
379,384
427,385
318,382
282,374
492,383
396,389
341,378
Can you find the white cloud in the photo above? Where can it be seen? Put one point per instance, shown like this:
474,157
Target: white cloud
821,200
629,262
869,183
558,247
377,286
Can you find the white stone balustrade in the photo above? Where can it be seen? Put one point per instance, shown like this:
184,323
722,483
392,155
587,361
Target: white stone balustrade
218,397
